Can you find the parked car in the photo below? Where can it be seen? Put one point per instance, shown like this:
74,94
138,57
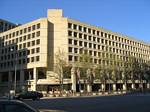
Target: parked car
34,95
15,106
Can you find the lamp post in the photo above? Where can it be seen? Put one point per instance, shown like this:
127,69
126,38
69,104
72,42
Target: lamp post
15,78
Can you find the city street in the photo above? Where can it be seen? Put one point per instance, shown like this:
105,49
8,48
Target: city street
95,104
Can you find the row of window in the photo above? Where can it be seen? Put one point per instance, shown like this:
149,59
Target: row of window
4,26
91,31
102,54
19,62
100,61
20,39
22,31
102,46
20,54
20,46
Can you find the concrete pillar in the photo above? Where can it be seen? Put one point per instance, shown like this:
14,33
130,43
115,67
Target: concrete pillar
35,77
124,87
89,88
21,79
73,79
114,87
103,87
10,81
133,86
148,85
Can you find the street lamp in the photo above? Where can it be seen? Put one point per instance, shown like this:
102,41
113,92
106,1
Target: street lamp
15,78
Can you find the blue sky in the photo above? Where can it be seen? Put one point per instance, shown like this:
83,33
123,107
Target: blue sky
129,17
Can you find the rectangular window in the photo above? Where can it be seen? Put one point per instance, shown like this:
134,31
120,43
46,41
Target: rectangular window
29,36
38,42
24,38
33,43
70,33
32,51
28,60
24,45
74,26
80,28
20,32
28,44
37,58
70,41
38,26
38,33
33,35
37,50
69,25
29,29
20,39
25,30
33,27
32,59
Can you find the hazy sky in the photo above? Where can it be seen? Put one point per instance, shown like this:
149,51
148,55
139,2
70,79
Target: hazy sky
129,17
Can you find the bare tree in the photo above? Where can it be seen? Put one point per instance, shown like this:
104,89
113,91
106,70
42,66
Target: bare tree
60,64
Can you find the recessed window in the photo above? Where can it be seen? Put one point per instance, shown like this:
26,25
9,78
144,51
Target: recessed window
37,50
28,44
25,30
24,38
69,33
29,36
32,59
69,25
70,41
38,25
70,57
38,33
80,28
33,35
24,45
38,42
74,26
70,49
75,34
29,29
32,51
33,43
37,58
20,39
33,27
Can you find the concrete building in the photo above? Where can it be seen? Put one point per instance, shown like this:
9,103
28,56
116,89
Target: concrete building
5,25
28,54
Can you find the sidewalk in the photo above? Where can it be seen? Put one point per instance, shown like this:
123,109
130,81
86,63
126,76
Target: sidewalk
82,96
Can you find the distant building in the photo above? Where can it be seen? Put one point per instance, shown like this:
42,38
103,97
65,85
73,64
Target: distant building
28,51
5,25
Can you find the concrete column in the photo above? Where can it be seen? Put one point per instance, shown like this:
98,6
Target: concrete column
89,88
73,79
103,87
35,77
114,87
21,79
133,86
10,81
148,85
124,87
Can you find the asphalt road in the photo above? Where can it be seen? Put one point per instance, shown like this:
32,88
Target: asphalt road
95,104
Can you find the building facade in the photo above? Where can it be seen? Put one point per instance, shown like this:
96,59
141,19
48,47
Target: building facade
28,55
5,25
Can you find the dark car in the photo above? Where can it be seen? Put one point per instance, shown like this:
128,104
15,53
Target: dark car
34,95
15,106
